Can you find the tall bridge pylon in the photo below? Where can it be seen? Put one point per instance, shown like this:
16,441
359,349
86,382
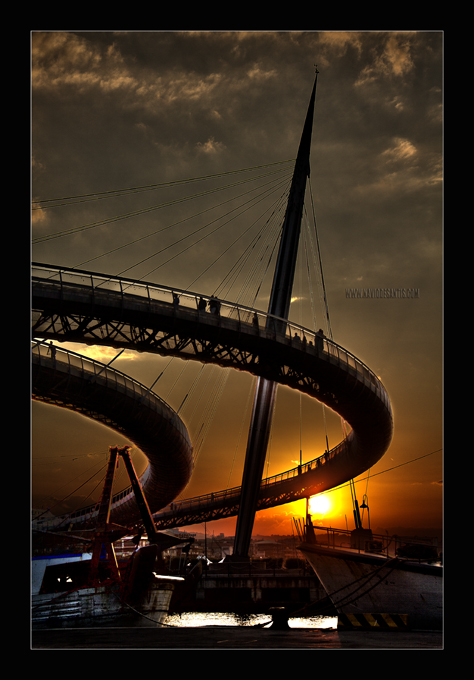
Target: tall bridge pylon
280,298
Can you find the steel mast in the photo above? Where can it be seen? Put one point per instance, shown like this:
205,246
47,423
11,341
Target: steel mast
264,398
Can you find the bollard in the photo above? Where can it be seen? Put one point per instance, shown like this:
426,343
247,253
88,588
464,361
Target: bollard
279,618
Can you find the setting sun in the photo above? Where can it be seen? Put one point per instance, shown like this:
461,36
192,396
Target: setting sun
319,505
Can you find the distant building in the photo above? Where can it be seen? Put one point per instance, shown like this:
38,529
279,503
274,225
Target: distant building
268,548
41,516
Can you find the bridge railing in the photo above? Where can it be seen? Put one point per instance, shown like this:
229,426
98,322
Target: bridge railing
251,320
232,494
74,363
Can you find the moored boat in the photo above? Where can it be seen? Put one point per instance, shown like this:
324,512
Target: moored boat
63,595
79,582
376,582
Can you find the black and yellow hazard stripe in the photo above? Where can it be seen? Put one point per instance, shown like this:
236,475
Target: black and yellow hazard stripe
372,622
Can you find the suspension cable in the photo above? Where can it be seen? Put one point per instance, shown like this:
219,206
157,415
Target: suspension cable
214,400
205,236
244,417
174,224
142,211
231,276
242,257
150,187
269,246
75,490
321,267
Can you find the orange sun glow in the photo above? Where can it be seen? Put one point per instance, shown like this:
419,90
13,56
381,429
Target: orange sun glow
319,505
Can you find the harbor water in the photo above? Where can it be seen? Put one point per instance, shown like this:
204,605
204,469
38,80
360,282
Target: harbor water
200,619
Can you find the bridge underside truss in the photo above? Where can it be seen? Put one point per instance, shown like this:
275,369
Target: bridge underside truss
112,333
211,348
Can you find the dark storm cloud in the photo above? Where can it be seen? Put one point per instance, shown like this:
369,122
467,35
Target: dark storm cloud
110,110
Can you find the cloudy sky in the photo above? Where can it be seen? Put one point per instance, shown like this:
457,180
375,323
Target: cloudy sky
116,111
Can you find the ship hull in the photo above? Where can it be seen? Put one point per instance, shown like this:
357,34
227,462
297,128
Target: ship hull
370,590
101,605
145,602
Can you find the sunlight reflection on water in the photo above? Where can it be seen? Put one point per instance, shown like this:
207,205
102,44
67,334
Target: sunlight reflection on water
200,619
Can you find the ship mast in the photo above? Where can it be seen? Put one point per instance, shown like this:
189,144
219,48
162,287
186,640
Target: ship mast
280,298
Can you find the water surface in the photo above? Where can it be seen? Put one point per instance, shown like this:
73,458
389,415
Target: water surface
200,619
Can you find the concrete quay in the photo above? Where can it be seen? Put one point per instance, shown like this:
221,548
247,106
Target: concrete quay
229,637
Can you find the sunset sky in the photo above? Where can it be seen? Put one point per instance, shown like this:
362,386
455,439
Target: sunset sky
112,111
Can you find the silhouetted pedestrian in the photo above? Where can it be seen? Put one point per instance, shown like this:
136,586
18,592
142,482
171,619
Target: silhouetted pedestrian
214,305
52,350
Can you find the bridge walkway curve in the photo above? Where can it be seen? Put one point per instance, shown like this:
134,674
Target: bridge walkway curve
92,308
69,380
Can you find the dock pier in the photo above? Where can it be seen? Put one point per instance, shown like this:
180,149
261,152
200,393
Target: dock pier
248,588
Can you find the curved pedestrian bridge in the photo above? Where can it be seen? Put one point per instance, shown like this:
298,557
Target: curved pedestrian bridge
98,309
